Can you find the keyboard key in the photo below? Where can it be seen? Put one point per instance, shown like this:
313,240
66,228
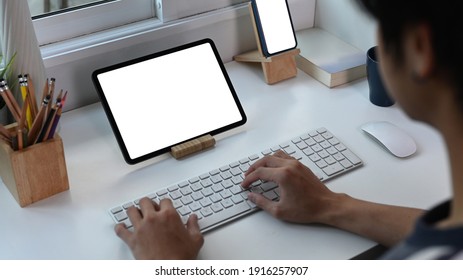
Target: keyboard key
116,210
195,206
236,189
193,180
345,163
196,187
227,184
161,192
175,195
186,200
214,172
205,202
215,198
333,169
216,207
186,191
227,203
254,157
270,195
197,196
128,205
177,203
207,191
206,212
172,188
216,179
204,176
121,216
226,194
351,157
237,199
184,210
206,183
268,186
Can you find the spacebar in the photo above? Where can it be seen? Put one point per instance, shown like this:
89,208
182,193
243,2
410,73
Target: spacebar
223,215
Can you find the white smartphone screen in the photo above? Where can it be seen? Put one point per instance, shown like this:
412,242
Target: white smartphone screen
275,25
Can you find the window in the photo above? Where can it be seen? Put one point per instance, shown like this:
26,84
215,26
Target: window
58,20
82,17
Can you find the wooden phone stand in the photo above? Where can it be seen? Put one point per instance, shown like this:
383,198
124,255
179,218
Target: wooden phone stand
276,68
192,146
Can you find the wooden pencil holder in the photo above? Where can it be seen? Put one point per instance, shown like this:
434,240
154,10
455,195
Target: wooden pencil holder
36,172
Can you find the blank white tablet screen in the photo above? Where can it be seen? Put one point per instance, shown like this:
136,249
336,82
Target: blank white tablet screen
169,99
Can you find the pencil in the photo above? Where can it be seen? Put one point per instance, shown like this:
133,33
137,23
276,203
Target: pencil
9,104
4,132
49,121
57,117
6,139
54,125
24,93
10,96
23,121
38,122
31,91
20,139
51,92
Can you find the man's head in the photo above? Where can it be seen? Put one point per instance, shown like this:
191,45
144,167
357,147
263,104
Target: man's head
423,40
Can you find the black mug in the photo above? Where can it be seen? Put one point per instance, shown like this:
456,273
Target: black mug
378,93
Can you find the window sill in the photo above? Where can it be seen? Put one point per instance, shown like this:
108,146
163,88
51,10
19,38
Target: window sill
129,35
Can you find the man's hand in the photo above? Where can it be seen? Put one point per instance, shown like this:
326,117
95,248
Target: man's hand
303,198
158,232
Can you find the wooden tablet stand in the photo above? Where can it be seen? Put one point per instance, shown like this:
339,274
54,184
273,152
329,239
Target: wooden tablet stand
276,68
192,146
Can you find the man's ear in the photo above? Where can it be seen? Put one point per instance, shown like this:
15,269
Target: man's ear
419,49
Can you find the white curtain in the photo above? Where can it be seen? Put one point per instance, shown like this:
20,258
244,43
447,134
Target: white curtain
17,36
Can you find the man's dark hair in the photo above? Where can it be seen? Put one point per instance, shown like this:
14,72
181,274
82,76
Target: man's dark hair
444,18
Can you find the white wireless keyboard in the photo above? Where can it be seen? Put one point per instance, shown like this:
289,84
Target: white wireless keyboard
217,197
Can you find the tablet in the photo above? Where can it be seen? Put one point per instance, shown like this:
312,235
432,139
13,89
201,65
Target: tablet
164,99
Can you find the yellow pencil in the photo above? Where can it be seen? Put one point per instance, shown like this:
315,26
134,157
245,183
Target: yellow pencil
24,93
38,122
31,91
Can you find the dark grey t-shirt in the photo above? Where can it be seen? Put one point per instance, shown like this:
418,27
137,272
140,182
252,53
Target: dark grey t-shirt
429,242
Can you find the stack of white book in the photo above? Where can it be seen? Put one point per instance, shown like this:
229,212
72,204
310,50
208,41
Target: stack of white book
329,59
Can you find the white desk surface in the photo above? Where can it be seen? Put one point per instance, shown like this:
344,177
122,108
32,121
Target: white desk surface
76,225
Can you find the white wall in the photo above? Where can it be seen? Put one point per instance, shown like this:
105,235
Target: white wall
231,31
345,19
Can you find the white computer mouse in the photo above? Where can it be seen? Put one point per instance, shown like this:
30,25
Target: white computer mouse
391,137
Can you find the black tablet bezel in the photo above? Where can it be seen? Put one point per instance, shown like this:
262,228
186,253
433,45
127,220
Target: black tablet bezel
112,120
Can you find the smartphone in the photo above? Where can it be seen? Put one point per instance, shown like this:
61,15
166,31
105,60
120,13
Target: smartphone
274,26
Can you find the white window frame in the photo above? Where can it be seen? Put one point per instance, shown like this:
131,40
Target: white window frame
77,22
59,27
169,10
